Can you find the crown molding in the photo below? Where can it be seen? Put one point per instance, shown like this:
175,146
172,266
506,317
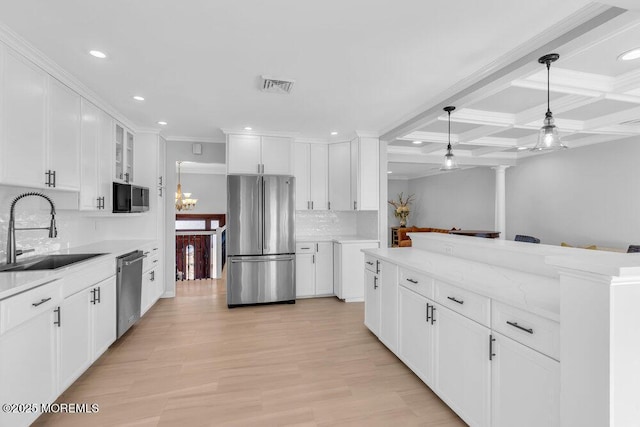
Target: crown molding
306,140
14,41
259,133
177,138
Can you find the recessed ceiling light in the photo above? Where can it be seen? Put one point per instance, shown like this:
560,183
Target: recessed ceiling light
334,133
138,98
417,142
630,55
522,148
389,172
97,54
248,128
162,123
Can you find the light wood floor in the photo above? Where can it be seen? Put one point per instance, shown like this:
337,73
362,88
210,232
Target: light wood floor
192,362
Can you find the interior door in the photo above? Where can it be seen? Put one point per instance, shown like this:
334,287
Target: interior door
244,215
279,214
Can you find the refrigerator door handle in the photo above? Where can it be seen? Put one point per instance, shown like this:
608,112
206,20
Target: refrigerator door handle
265,248
262,260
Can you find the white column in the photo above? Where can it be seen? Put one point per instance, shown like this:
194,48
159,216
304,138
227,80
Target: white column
500,206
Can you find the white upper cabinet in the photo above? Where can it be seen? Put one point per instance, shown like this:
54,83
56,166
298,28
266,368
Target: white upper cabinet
124,153
340,176
354,175
64,136
311,169
96,145
22,122
253,154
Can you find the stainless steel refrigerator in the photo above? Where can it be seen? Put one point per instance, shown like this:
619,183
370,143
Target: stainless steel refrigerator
260,239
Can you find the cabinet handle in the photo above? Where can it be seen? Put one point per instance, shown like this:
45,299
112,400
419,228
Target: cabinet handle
126,177
377,267
433,318
153,276
369,262
160,180
329,205
308,204
515,325
98,202
59,321
305,248
415,282
312,205
314,259
427,319
375,282
53,173
93,296
456,300
42,301
48,179
160,191
316,247
355,205
491,353
99,294
155,260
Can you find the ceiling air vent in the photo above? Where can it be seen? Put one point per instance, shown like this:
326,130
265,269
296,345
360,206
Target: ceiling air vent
272,85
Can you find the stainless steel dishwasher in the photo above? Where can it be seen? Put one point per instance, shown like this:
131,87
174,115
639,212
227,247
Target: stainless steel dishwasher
128,288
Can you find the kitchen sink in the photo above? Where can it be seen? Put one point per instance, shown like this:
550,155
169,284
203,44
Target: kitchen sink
47,262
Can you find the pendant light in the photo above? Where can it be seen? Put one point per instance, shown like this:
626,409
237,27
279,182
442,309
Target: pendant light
548,137
450,162
183,200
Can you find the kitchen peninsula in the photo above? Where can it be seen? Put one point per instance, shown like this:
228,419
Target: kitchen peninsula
510,333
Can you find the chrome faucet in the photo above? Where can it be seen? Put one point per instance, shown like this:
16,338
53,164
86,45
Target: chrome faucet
11,239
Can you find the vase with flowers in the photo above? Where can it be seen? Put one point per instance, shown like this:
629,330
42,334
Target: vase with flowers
402,209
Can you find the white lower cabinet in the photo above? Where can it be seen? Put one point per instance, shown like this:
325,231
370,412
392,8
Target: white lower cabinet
415,334
486,377
525,389
314,269
372,298
347,267
28,360
87,327
150,290
462,374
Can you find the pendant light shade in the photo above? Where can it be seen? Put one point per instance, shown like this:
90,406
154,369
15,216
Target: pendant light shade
548,137
450,162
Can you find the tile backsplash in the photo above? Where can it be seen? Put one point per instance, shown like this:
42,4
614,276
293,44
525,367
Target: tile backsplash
75,228
334,223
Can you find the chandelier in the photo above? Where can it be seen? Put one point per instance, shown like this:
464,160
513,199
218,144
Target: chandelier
184,202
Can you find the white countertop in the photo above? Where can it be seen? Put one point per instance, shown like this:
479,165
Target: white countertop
12,283
335,238
530,292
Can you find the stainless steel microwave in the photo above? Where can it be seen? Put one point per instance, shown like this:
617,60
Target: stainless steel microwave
130,198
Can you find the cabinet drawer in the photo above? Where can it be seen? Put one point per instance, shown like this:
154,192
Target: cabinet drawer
306,248
417,282
22,307
473,306
527,328
151,261
371,263
88,276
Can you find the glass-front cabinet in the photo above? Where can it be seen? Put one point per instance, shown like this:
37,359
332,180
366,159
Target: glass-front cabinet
124,154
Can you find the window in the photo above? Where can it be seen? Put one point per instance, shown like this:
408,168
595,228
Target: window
191,224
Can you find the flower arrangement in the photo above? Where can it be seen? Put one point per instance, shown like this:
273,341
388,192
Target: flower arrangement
402,208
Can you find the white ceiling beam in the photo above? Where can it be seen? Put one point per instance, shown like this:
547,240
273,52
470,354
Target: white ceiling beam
431,147
566,103
586,24
483,117
562,77
442,138
464,159
612,119
554,87
482,151
480,132
627,81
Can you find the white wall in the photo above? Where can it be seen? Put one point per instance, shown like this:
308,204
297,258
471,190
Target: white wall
395,187
583,196
462,199
209,189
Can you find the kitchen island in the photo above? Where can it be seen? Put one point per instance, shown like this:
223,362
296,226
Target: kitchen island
511,333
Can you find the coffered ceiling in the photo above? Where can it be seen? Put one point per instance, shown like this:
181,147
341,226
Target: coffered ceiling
595,98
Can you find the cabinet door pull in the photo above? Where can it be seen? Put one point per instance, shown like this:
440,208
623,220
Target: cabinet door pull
459,301
312,205
153,276
375,282
355,205
59,316
491,353
308,205
377,266
415,282
329,205
433,318
160,180
313,259
317,247
54,179
369,263
93,296
515,325
427,319
160,191
305,248
42,301
99,294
